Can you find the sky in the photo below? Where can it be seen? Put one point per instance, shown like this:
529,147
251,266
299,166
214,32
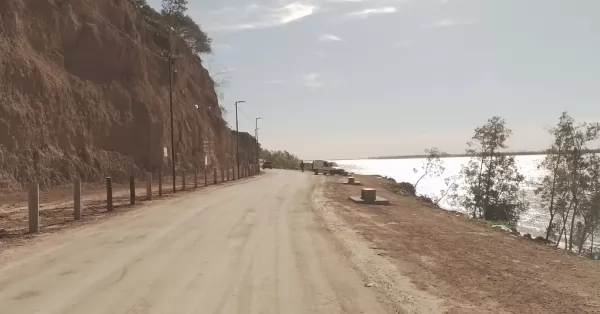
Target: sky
361,78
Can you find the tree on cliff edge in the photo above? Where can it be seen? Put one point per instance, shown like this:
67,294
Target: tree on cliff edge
174,13
173,16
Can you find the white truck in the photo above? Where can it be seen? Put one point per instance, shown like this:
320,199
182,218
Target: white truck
327,167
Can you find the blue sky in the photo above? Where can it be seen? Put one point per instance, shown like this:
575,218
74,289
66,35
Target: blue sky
359,78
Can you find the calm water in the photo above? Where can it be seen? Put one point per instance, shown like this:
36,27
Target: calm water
534,221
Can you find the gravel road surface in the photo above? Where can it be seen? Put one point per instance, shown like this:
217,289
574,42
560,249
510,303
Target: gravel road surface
248,247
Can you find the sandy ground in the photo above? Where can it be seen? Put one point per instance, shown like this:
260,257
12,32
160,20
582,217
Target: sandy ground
256,246
458,265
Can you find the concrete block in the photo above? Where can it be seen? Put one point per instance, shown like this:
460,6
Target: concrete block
369,196
352,181
377,201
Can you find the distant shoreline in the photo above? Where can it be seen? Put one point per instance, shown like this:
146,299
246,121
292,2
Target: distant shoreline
536,153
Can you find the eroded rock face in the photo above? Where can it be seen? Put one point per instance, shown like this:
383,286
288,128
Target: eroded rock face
82,97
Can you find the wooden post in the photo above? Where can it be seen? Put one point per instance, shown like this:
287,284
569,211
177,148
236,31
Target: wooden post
160,192
215,176
196,178
109,200
131,190
77,199
205,176
148,185
34,208
183,180
222,175
228,174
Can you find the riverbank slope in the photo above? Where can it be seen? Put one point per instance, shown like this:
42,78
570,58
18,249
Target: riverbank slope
474,268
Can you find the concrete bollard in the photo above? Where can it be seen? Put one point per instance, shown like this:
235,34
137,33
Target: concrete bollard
183,180
109,200
369,195
148,185
160,192
350,180
34,208
77,199
205,177
131,190
215,175
195,178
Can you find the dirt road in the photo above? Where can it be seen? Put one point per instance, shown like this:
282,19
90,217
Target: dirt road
253,247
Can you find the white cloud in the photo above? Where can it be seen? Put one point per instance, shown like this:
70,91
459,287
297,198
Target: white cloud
313,80
329,38
449,23
403,44
256,16
373,11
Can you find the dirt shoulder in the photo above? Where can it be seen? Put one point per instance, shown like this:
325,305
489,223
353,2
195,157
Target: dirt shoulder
458,265
56,206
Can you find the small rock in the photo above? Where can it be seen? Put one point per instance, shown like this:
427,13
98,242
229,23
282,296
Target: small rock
2,230
370,285
527,236
502,227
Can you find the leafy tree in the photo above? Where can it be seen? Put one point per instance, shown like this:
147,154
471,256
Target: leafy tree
491,180
281,159
554,163
172,8
570,189
433,166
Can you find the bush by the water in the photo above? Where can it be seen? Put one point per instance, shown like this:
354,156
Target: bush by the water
281,159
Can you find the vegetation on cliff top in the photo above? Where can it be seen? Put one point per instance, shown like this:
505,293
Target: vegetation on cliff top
173,14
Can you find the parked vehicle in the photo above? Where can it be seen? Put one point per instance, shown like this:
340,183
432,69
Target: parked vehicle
267,164
327,167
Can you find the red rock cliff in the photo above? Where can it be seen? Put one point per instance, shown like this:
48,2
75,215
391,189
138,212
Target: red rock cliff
84,92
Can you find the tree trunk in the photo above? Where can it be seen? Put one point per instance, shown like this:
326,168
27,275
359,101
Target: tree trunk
486,210
552,193
572,225
423,176
478,187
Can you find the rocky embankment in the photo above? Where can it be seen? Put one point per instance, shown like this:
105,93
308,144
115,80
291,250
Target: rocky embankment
84,92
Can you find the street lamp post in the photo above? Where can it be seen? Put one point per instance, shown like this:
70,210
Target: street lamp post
171,110
257,145
237,135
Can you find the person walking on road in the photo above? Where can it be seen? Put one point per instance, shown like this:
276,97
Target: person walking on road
302,165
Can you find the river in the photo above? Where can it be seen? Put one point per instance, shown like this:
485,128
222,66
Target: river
533,221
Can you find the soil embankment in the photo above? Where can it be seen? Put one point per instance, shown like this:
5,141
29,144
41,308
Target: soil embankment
472,267
84,93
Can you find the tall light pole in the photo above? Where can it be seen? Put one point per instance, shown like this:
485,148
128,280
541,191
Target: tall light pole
171,109
237,135
257,145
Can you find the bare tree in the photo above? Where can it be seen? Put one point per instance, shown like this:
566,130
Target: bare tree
433,166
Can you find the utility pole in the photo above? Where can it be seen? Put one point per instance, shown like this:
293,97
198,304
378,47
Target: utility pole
171,109
257,145
237,135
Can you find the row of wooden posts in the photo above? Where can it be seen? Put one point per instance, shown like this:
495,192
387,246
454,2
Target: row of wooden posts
34,191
